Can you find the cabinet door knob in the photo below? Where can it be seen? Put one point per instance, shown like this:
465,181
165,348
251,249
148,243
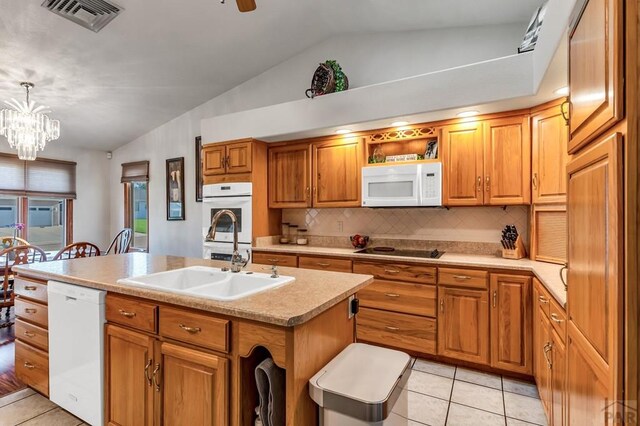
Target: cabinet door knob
495,297
191,330
442,305
479,185
127,314
488,179
534,181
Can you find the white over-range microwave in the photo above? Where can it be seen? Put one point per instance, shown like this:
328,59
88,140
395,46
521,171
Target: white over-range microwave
402,185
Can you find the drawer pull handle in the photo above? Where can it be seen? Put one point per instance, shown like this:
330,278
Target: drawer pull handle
29,334
555,318
543,299
391,271
146,371
30,310
192,330
28,365
392,295
324,265
462,277
30,287
274,260
127,314
388,327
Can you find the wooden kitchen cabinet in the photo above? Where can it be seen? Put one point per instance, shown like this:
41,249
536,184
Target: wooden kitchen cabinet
128,376
507,161
153,382
511,323
232,158
549,137
594,295
193,387
290,176
542,359
596,71
463,324
462,159
558,379
336,173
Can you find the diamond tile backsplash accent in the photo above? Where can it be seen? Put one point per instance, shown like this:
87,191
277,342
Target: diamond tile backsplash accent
478,224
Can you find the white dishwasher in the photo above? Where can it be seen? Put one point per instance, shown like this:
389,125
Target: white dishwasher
76,350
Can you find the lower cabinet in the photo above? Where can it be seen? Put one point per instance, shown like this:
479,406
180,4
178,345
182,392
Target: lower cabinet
151,382
550,356
463,324
511,323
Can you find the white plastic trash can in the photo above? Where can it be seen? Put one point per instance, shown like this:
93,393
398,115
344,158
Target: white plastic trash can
363,385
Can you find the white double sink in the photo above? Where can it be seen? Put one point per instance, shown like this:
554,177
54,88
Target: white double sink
210,283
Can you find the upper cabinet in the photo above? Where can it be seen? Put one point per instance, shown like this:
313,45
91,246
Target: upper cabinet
595,71
549,133
462,165
507,161
290,176
319,174
336,173
487,163
226,159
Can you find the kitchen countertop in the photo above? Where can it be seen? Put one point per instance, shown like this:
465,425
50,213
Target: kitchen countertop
312,292
547,273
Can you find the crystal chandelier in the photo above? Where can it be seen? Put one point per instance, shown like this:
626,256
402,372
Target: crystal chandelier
26,127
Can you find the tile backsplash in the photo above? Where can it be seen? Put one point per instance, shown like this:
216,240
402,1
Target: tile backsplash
478,224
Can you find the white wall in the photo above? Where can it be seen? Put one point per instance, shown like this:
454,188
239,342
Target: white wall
91,221
367,59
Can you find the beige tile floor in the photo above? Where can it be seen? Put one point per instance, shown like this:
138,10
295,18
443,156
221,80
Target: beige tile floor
438,394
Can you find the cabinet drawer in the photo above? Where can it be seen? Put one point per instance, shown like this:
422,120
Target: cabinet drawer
32,334
132,313
543,301
30,289
324,263
469,278
33,312
198,329
401,331
417,299
276,259
558,318
397,271
32,367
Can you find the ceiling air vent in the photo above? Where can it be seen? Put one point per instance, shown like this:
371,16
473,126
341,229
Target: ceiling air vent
91,14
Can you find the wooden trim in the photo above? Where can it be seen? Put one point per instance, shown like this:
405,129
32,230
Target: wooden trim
242,140
127,205
69,221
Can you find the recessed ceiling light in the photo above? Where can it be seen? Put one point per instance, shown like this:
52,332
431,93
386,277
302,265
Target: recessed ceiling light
563,91
343,131
399,123
465,114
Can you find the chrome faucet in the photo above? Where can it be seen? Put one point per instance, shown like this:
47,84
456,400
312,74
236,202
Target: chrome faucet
237,261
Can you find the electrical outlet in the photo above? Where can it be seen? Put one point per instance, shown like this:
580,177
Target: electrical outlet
340,226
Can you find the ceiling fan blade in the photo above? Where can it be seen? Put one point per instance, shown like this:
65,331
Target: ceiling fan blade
246,5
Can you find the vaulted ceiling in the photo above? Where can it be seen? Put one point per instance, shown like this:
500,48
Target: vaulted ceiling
161,58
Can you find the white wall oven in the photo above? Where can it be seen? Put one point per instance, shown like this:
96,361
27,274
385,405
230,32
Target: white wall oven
236,197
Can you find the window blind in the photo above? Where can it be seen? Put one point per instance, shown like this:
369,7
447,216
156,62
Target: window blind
42,177
135,172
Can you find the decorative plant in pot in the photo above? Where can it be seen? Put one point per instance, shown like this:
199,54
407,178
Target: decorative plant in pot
328,78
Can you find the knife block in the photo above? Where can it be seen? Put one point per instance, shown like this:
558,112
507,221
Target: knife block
518,253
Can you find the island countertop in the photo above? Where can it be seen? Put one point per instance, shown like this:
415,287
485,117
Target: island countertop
312,292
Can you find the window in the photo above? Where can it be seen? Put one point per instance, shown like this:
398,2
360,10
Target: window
39,194
135,177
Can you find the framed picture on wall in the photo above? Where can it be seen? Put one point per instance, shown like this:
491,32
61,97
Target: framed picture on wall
175,189
199,182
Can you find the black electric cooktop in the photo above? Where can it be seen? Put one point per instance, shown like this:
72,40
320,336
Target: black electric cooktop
390,251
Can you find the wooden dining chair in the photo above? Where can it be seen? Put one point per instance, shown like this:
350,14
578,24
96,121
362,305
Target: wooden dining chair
10,241
16,255
121,242
76,250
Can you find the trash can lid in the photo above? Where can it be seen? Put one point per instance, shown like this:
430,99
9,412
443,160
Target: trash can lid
363,373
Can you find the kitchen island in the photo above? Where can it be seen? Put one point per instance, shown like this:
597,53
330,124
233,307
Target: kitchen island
172,358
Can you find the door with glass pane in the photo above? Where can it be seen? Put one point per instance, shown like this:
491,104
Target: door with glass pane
138,214
46,221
